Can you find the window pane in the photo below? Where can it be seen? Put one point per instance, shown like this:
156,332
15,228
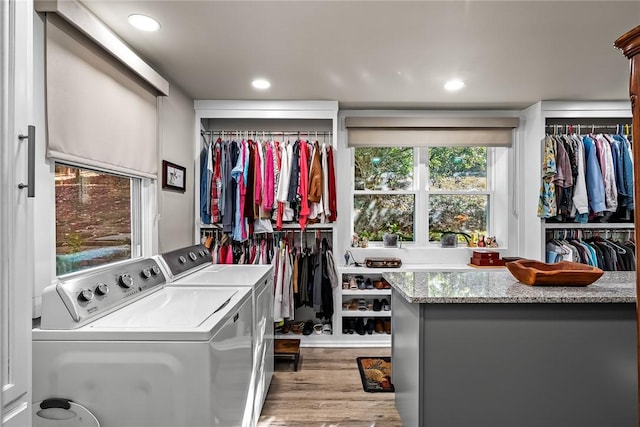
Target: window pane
458,168
383,168
93,218
467,213
374,214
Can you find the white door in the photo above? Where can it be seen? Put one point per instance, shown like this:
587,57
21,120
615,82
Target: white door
16,269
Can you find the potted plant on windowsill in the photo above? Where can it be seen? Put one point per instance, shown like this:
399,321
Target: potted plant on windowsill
390,238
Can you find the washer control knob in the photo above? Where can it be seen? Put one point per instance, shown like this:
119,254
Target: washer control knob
86,295
146,273
192,256
126,281
155,270
182,259
102,289
202,253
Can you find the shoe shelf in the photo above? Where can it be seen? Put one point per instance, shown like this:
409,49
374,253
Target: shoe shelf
365,292
368,313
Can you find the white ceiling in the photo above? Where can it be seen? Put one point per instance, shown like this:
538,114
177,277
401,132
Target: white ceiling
385,54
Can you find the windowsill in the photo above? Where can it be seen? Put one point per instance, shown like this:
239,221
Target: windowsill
412,254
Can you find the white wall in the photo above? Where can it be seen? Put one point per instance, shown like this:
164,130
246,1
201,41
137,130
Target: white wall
175,209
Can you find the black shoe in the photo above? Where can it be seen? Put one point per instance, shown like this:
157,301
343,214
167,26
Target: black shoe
385,305
360,326
308,328
347,325
369,326
377,306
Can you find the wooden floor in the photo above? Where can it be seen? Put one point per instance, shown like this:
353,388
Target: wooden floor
327,392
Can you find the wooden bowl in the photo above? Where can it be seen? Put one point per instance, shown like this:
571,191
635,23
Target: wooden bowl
564,273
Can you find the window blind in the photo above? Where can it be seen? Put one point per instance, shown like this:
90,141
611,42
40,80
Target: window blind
99,113
430,131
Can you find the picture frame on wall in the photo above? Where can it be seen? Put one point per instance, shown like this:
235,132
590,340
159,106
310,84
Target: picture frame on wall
173,176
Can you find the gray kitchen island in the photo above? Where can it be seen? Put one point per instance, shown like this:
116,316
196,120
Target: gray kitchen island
480,349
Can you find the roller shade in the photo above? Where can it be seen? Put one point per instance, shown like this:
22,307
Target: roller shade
99,113
430,131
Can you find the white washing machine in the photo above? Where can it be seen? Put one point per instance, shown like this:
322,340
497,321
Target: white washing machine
191,266
136,353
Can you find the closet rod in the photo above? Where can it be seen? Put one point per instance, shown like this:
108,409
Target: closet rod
267,132
587,126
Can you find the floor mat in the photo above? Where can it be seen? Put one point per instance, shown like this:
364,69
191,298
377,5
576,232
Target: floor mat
375,373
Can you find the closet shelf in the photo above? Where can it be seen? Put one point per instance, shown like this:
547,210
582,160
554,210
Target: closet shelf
368,313
590,225
366,292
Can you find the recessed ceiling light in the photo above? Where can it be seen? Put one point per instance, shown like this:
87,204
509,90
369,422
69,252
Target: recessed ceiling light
453,85
144,23
261,84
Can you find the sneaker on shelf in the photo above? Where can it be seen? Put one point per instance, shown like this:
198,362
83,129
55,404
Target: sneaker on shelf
385,305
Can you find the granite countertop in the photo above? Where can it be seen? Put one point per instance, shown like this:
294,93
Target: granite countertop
499,286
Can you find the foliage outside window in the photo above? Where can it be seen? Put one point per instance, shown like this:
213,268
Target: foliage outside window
384,192
455,191
95,218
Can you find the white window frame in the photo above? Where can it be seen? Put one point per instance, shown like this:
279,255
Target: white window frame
497,192
142,199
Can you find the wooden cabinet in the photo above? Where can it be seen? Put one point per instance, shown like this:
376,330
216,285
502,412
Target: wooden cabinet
630,45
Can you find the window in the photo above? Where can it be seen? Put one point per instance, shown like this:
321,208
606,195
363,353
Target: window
384,191
97,218
392,185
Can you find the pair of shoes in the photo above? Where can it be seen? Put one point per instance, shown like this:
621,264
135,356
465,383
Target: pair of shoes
362,285
385,284
369,326
378,284
353,305
317,328
297,328
286,328
385,305
368,284
377,305
348,325
352,283
387,326
308,328
359,326
378,326
327,328
362,304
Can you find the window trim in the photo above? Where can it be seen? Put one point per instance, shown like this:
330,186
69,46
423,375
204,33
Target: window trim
140,208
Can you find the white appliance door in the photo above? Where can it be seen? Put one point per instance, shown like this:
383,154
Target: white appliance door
231,368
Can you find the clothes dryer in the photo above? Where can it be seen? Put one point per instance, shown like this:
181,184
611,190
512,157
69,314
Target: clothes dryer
191,266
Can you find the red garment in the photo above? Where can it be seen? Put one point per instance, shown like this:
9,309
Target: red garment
333,202
303,185
223,254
